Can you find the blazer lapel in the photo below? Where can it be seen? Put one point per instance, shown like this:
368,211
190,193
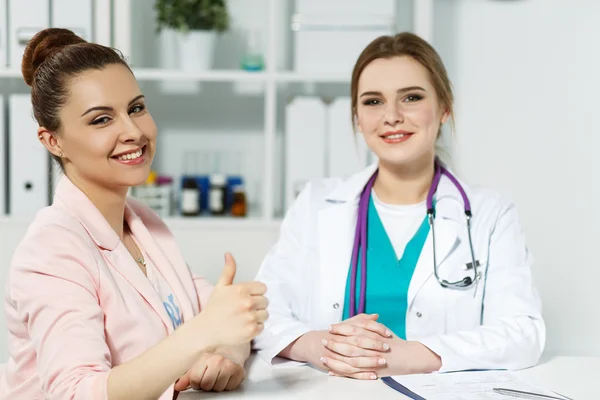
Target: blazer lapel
124,264
160,262
106,239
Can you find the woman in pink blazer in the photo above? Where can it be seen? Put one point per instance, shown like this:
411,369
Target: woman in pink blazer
99,302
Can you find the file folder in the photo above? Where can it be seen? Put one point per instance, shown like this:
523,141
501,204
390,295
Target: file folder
75,15
28,160
27,17
304,144
347,152
3,35
3,169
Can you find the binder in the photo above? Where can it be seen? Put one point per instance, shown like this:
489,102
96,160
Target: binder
3,35
347,152
27,17
28,160
305,144
3,170
75,15
102,22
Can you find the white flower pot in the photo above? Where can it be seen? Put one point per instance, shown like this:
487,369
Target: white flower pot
197,50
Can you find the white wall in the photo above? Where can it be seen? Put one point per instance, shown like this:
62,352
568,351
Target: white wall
527,80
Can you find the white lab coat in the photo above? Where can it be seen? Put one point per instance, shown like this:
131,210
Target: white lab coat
501,327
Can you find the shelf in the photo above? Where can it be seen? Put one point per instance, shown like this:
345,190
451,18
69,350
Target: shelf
157,74
152,74
303,77
185,223
226,222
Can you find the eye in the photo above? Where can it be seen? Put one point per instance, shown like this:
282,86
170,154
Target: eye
412,98
101,120
371,102
138,108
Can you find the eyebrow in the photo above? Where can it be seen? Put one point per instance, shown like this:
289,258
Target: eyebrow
106,108
399,91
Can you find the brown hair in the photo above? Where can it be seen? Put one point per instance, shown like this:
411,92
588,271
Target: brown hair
411,45
53,57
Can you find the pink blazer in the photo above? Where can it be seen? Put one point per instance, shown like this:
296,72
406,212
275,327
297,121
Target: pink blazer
77,303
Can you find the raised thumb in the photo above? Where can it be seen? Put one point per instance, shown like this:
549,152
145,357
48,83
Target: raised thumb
228,271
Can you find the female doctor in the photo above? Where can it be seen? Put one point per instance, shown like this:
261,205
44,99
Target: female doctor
448,275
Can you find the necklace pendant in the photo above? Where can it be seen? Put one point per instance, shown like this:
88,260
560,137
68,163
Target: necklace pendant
141,261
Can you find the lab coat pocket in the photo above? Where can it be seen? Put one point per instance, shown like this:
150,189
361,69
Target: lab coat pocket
464,306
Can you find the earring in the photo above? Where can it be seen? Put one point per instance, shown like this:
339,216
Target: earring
61,154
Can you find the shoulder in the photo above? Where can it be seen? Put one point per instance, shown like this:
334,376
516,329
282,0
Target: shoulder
488,204
55,245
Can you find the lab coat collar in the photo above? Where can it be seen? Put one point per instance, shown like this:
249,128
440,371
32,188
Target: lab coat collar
449,203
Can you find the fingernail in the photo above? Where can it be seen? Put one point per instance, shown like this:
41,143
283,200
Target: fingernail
330,328
324,342
331,373
388,333
386,346
381,361
373,377
323,360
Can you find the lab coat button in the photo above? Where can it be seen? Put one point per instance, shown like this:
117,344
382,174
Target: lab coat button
419,315
336,306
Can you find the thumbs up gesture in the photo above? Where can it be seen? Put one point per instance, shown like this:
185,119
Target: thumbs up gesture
236,311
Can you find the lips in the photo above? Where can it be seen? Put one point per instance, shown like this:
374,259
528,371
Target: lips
130,154
396,137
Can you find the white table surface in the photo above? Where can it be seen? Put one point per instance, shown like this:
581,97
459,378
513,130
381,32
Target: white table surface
575,377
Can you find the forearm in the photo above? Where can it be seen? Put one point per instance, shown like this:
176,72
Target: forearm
424,360
302,348
150,374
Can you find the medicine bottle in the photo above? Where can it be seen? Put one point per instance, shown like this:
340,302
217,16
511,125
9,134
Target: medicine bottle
190,197
216,194
238,204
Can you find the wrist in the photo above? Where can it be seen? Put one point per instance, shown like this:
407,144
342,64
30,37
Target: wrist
425,359
207,342
235,354
300,349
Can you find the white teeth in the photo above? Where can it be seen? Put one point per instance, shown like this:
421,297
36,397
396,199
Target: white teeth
397,136
131,156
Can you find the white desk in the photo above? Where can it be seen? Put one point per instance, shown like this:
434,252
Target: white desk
576,377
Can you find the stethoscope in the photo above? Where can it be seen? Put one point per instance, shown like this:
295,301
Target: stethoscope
360,238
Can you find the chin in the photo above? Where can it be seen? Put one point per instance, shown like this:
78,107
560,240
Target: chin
136,178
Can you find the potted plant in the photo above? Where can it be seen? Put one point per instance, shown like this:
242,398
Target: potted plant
196,23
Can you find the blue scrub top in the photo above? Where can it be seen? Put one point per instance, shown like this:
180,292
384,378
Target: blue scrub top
388,278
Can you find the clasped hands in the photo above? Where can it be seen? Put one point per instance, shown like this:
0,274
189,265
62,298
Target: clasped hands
362,348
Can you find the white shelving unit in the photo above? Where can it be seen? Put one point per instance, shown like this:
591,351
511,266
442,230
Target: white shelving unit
271,80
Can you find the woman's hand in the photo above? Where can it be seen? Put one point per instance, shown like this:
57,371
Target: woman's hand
404,357
311,348
357,347
235,313
215,371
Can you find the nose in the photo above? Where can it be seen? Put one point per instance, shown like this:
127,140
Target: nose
130,131
393,115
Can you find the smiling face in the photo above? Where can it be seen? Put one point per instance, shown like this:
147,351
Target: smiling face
107,136
398,110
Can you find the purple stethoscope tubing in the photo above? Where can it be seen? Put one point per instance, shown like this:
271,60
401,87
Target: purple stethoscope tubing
360,238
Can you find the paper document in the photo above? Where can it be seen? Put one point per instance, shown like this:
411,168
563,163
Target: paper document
467,385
